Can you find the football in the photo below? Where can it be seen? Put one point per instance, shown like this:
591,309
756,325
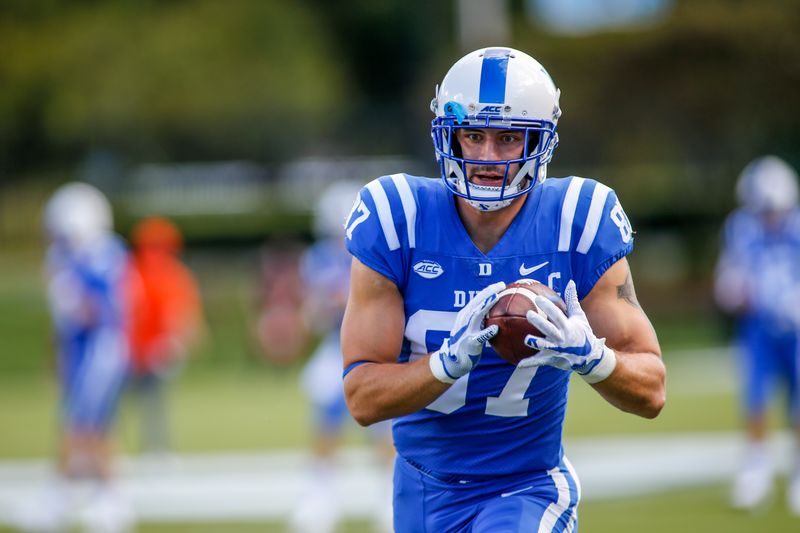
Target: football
509,314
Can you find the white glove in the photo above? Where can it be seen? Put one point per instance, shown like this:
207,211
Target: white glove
569,342
461,351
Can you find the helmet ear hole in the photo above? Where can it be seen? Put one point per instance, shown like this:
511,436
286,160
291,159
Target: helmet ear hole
533,142
455,145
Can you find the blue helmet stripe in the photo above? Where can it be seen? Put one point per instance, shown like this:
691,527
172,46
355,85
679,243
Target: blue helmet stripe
494,70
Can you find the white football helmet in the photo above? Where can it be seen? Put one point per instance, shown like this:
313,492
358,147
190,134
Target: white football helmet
333,207
767,184
77,214
498,88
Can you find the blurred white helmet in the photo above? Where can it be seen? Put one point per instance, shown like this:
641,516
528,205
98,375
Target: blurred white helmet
498,88
767,184
333,207
77,214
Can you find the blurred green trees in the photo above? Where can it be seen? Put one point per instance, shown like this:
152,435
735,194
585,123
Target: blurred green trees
180,80
666,114
164,80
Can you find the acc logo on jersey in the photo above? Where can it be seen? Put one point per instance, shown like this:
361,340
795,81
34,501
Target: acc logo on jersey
428,269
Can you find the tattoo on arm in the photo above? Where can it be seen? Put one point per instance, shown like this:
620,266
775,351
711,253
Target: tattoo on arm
627,293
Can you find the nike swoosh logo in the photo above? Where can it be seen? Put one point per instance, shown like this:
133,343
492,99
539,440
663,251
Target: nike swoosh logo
525,271
507,494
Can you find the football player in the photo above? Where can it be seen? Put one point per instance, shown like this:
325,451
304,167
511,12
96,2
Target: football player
758,281
86,266
166,323
325,272
479,441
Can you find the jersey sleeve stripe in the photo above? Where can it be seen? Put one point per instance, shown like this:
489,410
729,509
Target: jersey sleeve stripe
568,213
599,196
384,214
409,207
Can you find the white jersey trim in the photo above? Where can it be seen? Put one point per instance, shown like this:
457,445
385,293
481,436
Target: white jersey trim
568,213
409,207
557,508
384,214
599,196
573,514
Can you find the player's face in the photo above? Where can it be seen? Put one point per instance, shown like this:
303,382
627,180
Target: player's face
489,144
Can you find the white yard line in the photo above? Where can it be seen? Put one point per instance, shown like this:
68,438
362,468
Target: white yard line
245,486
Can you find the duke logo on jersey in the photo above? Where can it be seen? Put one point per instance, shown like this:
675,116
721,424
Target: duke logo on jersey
511,418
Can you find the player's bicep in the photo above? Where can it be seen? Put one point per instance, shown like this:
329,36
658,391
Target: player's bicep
374,320
614,312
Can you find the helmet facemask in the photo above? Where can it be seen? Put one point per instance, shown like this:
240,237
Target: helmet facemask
540,139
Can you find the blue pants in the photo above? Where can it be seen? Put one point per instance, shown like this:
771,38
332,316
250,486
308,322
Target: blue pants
768,360
93,372
425,502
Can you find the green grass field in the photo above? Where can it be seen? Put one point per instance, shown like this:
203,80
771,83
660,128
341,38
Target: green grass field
228,400
688,511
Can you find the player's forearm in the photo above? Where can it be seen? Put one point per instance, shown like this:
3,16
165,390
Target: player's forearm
637,384
380,391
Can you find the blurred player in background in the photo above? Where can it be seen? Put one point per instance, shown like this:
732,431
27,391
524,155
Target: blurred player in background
479,441
758,280
165,322
86,266
325,273
281,331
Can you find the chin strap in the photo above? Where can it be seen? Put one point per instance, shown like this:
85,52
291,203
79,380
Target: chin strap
489,205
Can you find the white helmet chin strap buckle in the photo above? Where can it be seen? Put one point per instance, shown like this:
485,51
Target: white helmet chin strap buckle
489,205
484,197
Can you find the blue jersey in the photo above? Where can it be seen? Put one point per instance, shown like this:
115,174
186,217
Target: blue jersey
767,259
86,294
407,229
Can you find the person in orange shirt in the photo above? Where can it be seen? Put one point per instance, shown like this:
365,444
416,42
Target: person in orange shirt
165,321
